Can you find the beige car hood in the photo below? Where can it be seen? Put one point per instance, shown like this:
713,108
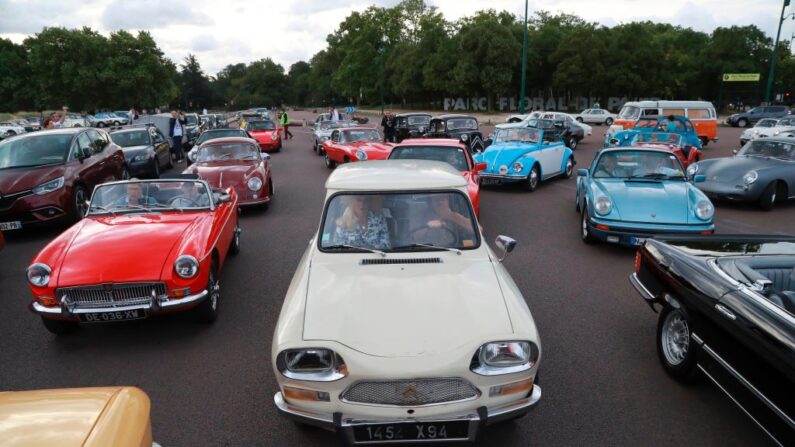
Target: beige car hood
404,310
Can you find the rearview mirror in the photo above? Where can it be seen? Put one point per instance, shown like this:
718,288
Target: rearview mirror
506,244
582,172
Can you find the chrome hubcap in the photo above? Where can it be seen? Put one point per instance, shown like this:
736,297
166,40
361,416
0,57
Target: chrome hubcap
80,202
584,226
569,166
675,338
533,178
214,295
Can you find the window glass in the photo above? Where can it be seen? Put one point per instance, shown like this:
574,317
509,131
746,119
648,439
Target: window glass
629,112
455,156
149,196
35,150
362,134
638,164
698,114
129,139
768,149
667,112
227,151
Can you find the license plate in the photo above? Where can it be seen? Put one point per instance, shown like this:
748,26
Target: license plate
637,240
412,431
489,181
5,226
119,315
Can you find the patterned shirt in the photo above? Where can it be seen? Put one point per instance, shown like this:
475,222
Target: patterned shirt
375,235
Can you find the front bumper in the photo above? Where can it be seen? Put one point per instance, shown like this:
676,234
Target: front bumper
154,307
731,193
30,209
502,178
478,419
141,168
633,234
268,145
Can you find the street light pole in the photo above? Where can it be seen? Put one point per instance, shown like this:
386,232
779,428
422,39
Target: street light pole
772,72
524,62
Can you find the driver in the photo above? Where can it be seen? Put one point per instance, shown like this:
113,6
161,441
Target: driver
190,197
135,196
442,217
607,166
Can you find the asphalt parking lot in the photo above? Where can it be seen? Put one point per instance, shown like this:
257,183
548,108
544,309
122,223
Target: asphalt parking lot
213,385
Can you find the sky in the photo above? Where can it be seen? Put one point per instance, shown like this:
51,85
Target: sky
222,33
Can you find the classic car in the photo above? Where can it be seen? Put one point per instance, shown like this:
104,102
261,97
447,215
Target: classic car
701,114
630,194
327,117
266,134
407,327
569,121
162,244
237,163
75,120
354,144
749,134
411,125
784,128
89,417
525,154
672,142
452,152
523,117
213,134
49,175
743,119
727,314
596,116
321,131
653,123
763,171
208,121
459,127
146,150
28,125
11,128
103,119
192,128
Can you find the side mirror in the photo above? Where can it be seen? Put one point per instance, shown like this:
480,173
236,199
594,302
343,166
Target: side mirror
192,156
266,156
735,151
481,166
699,178
582,172
223,198
506,244
614,141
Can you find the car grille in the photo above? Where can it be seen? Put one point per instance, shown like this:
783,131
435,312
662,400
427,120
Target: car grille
111,295
412,392
7,200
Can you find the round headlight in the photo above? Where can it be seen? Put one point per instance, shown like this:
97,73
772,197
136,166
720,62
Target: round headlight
464,137
705,210
750,177
254,183
361,155
776,132
272,136
186,266
39,274
692,169
517,167
603,205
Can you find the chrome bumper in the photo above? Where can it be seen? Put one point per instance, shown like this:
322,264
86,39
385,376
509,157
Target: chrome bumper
154,306
478,418
641,289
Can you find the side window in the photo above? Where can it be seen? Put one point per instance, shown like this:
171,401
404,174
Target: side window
667,112
335,136
85,144
698,114
689,126
97,143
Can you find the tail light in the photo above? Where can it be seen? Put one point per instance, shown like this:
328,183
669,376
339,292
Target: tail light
638,260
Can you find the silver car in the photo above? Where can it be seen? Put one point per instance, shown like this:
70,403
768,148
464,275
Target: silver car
321,131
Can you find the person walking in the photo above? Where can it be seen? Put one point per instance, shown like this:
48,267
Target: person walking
284,120
388,123
176,130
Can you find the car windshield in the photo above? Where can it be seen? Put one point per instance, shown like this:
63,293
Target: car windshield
646,123
133,138
638,164
221,133
768,148
349,136
227,151
786,122
517,134
191,120
657,138
261,125
629,112
454,156
767,123
149,196
419,120
461,123
399,222
35,150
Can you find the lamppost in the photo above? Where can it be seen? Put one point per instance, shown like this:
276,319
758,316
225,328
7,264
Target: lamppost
772,72
524,62
381,52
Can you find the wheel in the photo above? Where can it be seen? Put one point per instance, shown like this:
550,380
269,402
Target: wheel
532,179
314,146
207,311
157,168
80,198
704,141
768,198
585,233
100,124
579,118
279,147
331,164
115,123
742,122
675,347
569,169
609,122
125,174
234,248
573,143
59,327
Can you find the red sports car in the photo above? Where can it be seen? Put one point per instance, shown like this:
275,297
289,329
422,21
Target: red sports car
266,133
354,144
686,153
451,151
145,247
237,163
49,175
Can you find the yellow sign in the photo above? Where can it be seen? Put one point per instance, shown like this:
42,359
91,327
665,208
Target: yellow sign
740,77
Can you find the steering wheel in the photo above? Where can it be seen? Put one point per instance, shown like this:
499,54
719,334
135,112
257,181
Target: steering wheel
174,199
452,234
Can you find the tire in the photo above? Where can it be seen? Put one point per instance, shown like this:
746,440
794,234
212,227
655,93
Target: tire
314,146
569,169
742,122
331,164
675,347
769,196
125,173
514,120
704,141
533,178
100,124
234,247
609,122
279,147
573,143
170,163
59,327
115,123
207,311
79,201
585,233
11,133
579,119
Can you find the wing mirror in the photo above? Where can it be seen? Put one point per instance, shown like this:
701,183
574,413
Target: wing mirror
222,198
614,141
734,151
266,156
699,178
192,156
481,166
582,172
506,244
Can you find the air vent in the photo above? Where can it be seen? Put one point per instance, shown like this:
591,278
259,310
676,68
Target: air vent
381,261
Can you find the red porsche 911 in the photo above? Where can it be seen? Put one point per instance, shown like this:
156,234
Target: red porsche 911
266,133
354,144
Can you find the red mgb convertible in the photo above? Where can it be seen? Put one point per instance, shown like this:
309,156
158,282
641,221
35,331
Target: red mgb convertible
145,247
266,134
686,153
354,144
235,163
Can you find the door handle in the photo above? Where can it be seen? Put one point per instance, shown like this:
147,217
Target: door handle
726,312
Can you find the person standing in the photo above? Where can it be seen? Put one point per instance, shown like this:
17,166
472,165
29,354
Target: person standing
388,123
335,114
204,111
284,120
176,129
131,115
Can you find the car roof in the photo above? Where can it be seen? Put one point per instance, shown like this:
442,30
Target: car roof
133,129
425,142
395,175
444,117
223,140
413,114
634,148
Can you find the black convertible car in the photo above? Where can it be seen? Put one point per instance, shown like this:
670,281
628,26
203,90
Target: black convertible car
459,127
727,312
763,171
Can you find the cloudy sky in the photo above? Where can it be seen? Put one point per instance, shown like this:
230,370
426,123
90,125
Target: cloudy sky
221,33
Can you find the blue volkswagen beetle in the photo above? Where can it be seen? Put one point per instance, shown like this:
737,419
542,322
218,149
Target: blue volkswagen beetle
630,194
527,155
680,125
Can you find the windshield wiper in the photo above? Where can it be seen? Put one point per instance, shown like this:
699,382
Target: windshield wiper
371,250
438,247
102,208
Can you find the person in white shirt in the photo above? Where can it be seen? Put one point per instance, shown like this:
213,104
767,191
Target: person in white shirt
131,114
335,114
204,111
176,131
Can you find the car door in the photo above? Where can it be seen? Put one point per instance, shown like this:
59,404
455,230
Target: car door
331,146
162,149
547,154
90,169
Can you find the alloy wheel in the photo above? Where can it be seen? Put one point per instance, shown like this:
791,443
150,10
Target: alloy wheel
675,338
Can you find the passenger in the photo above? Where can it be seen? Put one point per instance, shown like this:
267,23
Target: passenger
135,196
650,165
672,126
362,226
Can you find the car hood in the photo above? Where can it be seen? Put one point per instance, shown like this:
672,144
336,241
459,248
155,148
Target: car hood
223,174
371,147
500,154
146,238
404,310
261,134
732,169
659,202
134,149
21,179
